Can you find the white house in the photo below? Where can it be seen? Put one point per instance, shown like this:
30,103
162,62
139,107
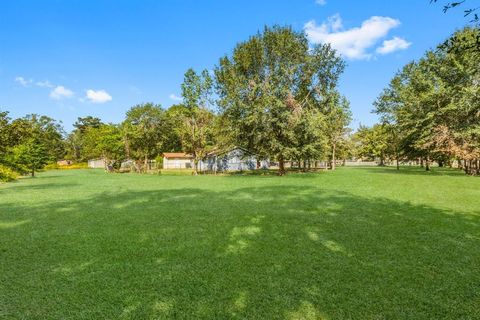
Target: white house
233,159
177,160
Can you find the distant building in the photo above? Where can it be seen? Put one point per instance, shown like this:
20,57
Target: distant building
177,160
96,163
232,159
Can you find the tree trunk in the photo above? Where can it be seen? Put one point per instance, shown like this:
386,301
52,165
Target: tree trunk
33,172
281,165
334,147
427,164
195,166
421,162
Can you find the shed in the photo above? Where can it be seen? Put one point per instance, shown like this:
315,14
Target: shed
97,163
177,160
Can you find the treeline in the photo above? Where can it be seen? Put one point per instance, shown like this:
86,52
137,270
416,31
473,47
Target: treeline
431,108
274,95
278,97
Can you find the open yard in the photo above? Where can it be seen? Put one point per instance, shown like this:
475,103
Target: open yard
360,243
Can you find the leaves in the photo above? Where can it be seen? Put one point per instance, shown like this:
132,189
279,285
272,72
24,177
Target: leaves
274,94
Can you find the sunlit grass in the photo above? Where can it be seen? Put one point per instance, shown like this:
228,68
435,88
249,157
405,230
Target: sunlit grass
359,243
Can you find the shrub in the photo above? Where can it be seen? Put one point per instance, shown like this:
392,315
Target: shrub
55,166
52,166
7,174
80,165
159,162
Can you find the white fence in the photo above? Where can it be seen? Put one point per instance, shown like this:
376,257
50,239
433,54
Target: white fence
360,163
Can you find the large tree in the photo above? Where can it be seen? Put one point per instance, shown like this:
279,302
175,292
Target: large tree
47,130
434,104
6,134
338,117
144,131
272,91
372,143
75,141
197,128
105,141
31,155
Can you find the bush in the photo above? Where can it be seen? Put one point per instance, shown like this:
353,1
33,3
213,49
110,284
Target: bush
80,165
55,166
52,166
7,174
159,162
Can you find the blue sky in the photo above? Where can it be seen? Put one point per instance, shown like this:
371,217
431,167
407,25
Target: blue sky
75,58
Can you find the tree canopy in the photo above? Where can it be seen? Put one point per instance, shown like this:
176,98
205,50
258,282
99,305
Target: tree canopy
275,92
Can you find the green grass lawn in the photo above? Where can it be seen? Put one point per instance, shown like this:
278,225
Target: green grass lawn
359,243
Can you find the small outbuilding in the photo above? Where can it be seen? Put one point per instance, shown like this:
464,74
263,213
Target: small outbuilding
232,159
177,160
97,163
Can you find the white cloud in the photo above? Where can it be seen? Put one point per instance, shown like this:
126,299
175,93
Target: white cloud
99,96
393,45
351,43
175,97
24,82
44,84
61,92
321,2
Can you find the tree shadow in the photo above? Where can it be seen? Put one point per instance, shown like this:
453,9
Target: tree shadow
268,253
19,187
407,170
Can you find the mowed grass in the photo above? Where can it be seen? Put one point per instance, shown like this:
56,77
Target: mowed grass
359,243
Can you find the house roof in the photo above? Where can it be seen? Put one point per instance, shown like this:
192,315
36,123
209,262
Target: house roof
222,151
177,155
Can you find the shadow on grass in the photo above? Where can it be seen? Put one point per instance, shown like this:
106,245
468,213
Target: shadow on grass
274,252
17,186
407,170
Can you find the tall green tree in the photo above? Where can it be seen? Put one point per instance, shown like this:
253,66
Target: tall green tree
274,87
144,131
372,143
434,103
338,117
31,154
75,141
175,117
6,134
105,141
197,129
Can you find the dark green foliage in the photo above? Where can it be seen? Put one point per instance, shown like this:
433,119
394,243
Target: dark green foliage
196,128
144,131
274,94
434,104
30,156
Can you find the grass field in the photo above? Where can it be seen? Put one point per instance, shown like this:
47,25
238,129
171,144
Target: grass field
360,243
